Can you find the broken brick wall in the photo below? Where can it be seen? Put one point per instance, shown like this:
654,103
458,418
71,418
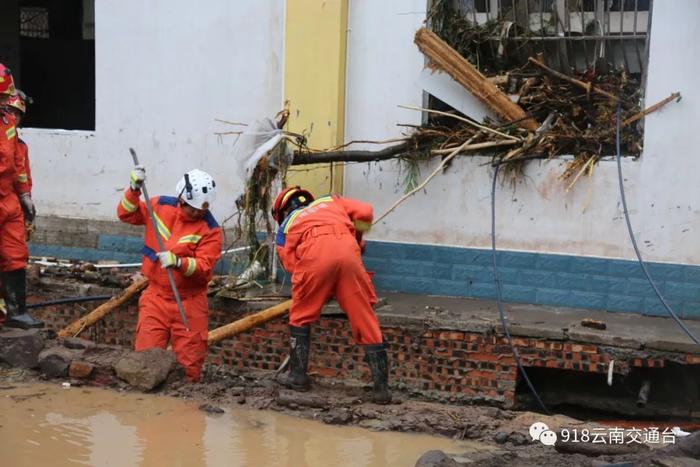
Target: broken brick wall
441,364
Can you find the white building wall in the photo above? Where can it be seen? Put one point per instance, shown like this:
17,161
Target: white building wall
165,69
161,83
538,214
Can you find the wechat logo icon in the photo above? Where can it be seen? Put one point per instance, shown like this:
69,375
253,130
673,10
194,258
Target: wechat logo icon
540,432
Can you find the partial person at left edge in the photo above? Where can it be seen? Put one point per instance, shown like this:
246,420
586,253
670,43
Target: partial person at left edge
17,209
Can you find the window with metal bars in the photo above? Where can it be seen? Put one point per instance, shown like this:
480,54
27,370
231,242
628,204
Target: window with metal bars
571,35
34,22
525,47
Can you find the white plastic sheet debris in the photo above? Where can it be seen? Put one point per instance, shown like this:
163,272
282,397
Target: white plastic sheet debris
442,86
259,138
254,271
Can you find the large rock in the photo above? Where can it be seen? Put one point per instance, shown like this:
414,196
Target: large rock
688,446
78,343
145,369
54,362
21,348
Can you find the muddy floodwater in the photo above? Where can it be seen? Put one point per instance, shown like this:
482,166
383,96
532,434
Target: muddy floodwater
42,424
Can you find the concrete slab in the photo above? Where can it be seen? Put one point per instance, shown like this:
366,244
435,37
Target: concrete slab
604,337
625,330
466,314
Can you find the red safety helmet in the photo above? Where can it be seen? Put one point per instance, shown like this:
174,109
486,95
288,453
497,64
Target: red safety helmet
19,101
293,197
7,84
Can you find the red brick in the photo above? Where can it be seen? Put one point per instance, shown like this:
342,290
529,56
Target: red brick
556,346
488,357
693,359
78,369
456,336
522,342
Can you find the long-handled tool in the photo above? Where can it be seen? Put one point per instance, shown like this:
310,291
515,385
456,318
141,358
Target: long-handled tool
161,247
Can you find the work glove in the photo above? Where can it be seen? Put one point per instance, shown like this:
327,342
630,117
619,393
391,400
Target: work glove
25,199
138,176
168,259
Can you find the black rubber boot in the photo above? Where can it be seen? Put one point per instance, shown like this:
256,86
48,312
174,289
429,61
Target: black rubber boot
15,288
376,358
297,378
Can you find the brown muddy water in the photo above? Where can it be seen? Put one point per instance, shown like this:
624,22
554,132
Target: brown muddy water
43,424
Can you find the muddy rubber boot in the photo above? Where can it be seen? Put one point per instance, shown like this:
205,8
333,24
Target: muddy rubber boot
297,379
15,287
378,361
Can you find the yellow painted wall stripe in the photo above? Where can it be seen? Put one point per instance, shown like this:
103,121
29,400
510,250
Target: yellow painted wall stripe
314,82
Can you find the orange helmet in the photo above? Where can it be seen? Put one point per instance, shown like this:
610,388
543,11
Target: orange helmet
19,101
7,84
293,197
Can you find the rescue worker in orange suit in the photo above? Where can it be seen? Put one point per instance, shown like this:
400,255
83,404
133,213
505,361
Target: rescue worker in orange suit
192,240
16,206
320,243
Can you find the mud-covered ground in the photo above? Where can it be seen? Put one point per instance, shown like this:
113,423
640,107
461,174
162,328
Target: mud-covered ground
503,434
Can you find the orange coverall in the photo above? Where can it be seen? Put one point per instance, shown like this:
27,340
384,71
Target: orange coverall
198,244
318,246
13,182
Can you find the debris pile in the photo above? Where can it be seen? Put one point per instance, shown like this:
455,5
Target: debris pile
545,113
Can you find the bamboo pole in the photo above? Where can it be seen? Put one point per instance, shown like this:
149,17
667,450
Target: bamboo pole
477,146
462,119
77,326
447,159
249,322
675,96
447,59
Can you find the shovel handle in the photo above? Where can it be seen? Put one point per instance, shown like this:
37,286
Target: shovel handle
161,246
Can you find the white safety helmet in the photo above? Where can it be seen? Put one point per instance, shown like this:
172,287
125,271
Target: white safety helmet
197,188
